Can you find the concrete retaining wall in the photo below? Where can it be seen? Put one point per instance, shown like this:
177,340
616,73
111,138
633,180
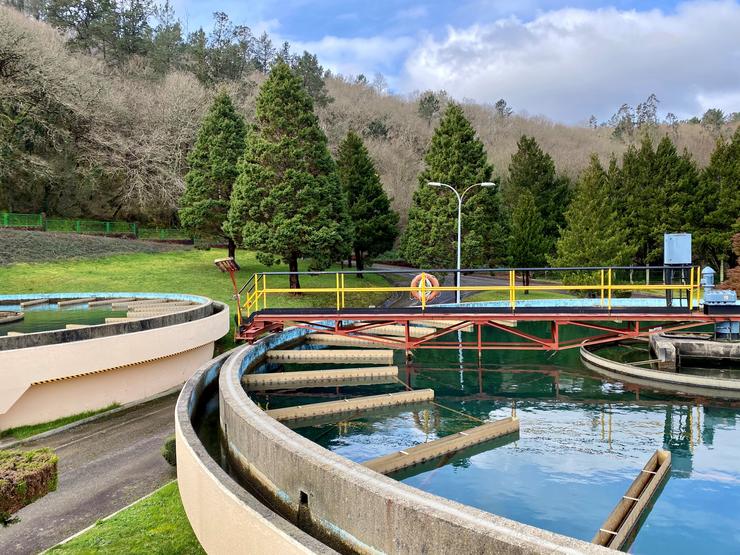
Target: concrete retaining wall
671,349
348,505
225,518
49,381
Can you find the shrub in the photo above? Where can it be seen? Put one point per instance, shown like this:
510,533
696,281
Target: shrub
168,451
6,519
24,477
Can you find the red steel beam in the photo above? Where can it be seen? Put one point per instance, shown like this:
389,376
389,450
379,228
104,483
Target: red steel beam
519,333
263,323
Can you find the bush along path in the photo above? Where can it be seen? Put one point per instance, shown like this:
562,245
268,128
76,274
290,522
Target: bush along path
104,465
25,476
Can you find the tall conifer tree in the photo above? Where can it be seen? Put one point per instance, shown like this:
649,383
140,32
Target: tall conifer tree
593,235
529,246
716,208
375,224
655,186
287,202
458,158
533,169
208,184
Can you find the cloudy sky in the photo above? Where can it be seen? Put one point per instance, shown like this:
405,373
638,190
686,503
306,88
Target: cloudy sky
564,60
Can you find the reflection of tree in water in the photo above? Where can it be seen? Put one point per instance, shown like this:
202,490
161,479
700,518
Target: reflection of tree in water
677,437
716,416
687,426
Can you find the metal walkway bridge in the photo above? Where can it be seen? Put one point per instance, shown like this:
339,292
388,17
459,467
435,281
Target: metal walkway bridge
603,304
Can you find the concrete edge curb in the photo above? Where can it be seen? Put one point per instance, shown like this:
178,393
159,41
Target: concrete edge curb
191,450
113,514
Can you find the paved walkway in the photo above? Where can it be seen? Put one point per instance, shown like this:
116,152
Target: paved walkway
103,466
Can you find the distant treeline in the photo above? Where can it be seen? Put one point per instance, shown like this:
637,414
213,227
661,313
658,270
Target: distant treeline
101,102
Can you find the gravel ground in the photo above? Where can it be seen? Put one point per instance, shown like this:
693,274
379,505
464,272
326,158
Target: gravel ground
38,246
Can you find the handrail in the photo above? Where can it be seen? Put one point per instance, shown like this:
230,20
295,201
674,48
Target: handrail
409,270
258,291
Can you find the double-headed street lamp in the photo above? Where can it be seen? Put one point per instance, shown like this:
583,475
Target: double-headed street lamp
460,198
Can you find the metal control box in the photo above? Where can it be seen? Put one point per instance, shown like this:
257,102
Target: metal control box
720,297
677,249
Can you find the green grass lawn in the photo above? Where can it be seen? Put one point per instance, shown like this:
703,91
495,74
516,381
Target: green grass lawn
22,432
185,271
155,525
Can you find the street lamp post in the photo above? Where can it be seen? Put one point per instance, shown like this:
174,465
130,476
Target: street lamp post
460,198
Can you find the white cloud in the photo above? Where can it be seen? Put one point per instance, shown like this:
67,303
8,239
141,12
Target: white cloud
269,26
570,63
351,56
414,12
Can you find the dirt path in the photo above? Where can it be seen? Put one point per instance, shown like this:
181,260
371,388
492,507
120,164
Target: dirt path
103,466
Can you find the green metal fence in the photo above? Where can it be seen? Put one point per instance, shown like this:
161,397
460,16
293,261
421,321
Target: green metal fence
90,227
9,219
163,234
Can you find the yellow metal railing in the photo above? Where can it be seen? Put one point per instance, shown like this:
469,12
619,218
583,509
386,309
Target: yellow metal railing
258,291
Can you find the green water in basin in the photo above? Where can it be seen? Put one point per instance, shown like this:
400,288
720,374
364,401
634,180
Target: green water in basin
583,440
50,317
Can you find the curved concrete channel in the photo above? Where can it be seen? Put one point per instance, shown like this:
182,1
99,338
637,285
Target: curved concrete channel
51,374
673,382
314,494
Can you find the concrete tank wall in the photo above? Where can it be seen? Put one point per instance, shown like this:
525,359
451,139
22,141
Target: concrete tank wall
49,381
673,382
345,503
226,518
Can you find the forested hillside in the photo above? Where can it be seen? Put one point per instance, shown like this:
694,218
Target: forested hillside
100,103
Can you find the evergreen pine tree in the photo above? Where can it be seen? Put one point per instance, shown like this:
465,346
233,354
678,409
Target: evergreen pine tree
655,187
593,235
167,44
91,24
456,157
307,67
733,275
213,170
428,106
197,58
528,244
716,207
533,169
264,52
375,224
287,201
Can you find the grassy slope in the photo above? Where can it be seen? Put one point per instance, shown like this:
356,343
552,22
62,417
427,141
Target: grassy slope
38,246
22,432
190,271
156,525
